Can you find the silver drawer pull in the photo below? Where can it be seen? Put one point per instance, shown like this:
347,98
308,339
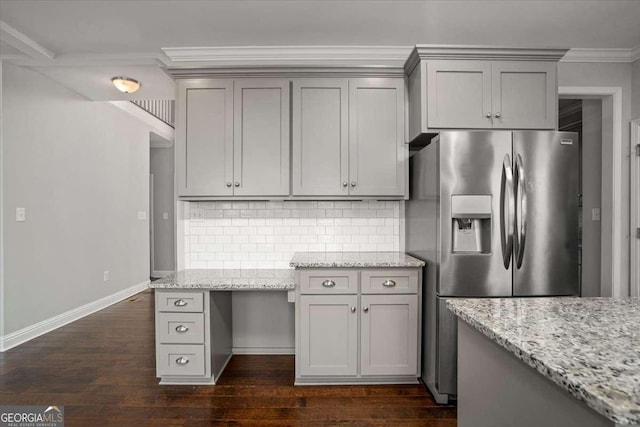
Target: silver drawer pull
328,283
181,329
182,360
180,303
388,283
365,309
353,309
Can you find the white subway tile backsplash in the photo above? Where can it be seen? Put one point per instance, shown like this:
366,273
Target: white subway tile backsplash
266,234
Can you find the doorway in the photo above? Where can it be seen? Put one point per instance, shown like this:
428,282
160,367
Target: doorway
162,207
584,116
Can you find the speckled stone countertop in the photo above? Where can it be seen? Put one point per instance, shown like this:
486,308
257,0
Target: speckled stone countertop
353,259
588,346
248,280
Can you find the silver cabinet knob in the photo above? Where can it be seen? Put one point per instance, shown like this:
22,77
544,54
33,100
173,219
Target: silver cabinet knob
237,184
388,283
229,184
182,360
181,329
353,183
497,115
353,309
180,303
328,283
365,309
344,184
488,115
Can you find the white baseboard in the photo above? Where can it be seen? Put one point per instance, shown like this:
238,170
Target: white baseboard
30,332
263,350
161,273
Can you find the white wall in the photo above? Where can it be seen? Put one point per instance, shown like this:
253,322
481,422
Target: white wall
609,75
635,91
81,170
591,195
162,166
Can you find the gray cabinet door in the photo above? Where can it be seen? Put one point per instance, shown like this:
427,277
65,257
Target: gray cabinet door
459,94
320,137
524,95
204,140
389,335
377,152
261,137
328,335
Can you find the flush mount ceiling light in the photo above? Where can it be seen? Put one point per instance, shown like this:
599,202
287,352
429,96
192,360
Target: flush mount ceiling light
126,84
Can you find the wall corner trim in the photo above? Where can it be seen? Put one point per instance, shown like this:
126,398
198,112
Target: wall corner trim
23,335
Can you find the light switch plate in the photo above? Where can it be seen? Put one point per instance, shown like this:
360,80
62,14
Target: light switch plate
165,215
595,214
142,215
21,214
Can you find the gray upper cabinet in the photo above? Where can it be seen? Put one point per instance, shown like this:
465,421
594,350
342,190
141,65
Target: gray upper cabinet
377,152
320,137
261,137
467,87
205,137
491,94
459,94
524,95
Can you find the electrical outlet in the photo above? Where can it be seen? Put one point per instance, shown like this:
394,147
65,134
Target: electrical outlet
197,213
142,215
21,214
595,214
106,275
165,215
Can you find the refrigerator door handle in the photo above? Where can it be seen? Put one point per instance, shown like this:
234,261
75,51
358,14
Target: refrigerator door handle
521,210
507,207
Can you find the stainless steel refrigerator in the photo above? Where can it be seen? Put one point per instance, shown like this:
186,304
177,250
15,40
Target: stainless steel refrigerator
493,214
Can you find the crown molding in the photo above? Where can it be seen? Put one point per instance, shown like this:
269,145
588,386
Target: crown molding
287,56
287,72
602,55
635,53
489,53
23,43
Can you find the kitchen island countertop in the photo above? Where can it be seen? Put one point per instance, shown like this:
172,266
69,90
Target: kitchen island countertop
588,346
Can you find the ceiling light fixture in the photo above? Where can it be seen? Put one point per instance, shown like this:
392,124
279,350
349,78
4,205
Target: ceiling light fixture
126,84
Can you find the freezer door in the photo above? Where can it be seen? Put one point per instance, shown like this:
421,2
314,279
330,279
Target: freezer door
473,164
546,181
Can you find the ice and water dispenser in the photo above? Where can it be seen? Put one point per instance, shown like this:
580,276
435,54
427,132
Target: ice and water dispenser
471,223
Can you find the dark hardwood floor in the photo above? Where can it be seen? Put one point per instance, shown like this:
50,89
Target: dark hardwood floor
102,369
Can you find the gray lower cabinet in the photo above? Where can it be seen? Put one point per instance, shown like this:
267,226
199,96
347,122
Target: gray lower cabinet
193,335
329,335
358,326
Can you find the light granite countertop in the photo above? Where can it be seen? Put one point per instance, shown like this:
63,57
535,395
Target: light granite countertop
245,279
588,346
353,260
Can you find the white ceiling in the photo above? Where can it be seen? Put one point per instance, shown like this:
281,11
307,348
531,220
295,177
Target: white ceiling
93,40
115,26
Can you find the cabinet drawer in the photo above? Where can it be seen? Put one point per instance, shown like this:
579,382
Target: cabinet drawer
390,281
325,281
180,302
180,360
180,328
